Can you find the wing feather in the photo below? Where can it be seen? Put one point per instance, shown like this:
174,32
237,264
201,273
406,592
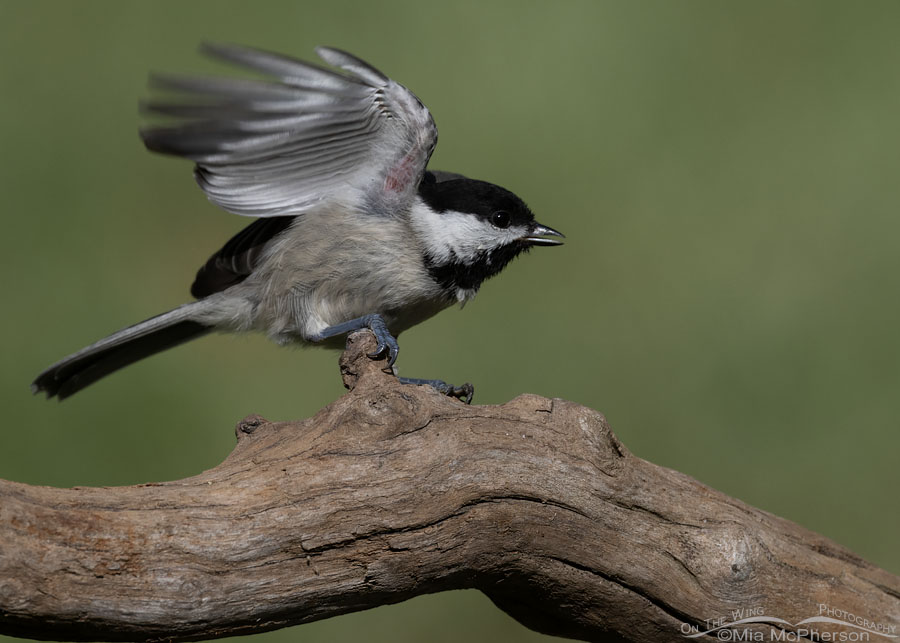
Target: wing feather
306,138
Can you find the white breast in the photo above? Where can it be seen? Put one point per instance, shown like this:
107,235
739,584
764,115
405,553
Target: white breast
333,267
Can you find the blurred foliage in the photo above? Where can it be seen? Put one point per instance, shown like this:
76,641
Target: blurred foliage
726,173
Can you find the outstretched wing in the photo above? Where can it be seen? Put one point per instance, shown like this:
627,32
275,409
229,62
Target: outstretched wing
308,139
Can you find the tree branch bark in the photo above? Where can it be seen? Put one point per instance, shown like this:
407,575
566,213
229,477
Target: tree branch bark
394,491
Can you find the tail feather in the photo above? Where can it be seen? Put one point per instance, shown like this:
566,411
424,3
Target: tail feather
120,349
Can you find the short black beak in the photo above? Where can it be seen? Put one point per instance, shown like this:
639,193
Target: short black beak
538,236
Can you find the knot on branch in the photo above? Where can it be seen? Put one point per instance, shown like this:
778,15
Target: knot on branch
355,363
249,425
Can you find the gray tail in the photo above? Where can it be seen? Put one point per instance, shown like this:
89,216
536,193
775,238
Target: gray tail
120,349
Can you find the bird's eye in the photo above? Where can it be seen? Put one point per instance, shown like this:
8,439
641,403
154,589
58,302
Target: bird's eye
500,219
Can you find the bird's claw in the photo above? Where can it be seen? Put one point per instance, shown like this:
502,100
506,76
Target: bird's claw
463,393
386,342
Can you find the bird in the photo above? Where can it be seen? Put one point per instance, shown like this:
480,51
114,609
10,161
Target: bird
351,229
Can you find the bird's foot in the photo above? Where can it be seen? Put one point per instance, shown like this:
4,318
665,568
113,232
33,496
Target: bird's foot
387,343
464,392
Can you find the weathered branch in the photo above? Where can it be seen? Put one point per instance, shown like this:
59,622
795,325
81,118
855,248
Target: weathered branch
394,491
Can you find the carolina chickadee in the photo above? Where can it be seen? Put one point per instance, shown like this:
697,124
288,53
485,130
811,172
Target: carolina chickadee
351,232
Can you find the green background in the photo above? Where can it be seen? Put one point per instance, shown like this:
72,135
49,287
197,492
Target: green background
726,174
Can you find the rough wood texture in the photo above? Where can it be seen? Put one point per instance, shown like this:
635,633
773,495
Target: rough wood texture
394,491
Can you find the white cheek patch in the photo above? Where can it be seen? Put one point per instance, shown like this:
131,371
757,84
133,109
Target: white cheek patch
455,234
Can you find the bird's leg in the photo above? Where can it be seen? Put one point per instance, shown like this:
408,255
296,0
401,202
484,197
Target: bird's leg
375,323
464,392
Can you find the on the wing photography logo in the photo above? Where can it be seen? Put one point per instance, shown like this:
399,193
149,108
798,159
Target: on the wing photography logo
830,624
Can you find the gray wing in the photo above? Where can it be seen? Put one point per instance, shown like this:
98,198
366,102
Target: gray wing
309,138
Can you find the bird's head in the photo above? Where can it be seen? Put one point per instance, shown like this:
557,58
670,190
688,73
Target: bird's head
469,230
